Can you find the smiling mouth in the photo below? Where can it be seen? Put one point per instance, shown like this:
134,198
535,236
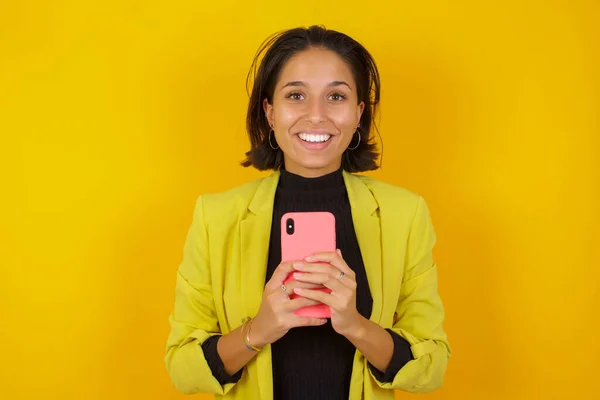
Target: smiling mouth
314,138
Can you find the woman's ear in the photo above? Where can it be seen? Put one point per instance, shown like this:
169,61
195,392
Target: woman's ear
359,111
268,108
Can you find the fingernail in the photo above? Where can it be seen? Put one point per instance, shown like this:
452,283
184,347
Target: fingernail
339,252
308,258
297,290
298,265
297,275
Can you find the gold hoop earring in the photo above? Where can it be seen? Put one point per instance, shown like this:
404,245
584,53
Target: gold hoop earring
357,144
271,144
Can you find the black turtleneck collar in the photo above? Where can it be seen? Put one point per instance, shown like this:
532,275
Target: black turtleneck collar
293,182
322,190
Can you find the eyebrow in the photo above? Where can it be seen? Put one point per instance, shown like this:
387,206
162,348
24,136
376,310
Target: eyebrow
300,83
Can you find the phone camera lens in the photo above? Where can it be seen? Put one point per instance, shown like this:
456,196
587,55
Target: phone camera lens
289,226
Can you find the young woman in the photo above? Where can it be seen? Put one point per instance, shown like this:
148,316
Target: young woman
234,330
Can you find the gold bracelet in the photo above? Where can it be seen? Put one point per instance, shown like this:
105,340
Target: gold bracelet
244,323
246,336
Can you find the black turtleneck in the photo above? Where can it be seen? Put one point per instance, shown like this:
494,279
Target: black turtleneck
315,362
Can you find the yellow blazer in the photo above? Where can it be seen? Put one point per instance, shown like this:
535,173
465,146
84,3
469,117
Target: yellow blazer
222,275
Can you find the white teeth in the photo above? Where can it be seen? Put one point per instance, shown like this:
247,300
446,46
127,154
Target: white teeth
314,138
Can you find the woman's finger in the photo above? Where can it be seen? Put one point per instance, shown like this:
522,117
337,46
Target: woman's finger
318,295
335,284
307,321
334,259
304,285
324,268
279,275
299,302
289,287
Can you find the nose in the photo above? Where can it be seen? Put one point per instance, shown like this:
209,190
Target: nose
317,112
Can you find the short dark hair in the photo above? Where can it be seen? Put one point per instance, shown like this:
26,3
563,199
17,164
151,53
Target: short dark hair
278,49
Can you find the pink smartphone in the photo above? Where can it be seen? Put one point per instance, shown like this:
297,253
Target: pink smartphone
302,234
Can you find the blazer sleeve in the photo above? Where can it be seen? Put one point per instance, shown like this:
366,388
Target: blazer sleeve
401,355
193,319
420,313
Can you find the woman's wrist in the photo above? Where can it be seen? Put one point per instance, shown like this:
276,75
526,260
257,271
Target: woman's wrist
253,334
359,330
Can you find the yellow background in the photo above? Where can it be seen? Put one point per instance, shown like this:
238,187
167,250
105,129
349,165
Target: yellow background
116,115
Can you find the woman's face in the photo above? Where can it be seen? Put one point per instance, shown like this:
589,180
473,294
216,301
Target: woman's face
315,112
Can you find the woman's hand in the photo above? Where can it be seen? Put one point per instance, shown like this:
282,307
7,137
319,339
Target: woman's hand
326,269
276,314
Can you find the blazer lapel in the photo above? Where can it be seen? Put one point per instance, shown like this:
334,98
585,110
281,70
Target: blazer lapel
255,236
366,225
255,232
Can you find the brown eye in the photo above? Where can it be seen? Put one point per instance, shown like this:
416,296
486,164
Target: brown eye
337,97
295,96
